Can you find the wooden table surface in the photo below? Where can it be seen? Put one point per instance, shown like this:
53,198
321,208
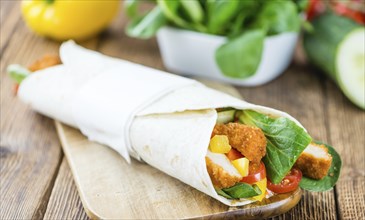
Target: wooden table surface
36,181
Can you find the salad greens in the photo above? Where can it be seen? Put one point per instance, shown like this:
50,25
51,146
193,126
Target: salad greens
145,26
232,56
244,23
240,190
17,72
285,142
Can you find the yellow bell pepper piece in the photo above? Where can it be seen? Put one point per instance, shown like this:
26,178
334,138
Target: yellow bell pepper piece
262,186
219,144
68,19
241,165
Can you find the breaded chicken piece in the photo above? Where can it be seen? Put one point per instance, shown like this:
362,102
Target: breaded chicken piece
250,141
315,161
44,62
221,171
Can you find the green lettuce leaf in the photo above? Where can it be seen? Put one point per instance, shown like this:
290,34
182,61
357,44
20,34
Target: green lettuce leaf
193,10
222,193
240,190
277,17
327,182
285,142
17,72
146,26
220,13
130,7
240,57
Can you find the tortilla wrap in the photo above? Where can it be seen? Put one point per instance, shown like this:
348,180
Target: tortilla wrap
163,119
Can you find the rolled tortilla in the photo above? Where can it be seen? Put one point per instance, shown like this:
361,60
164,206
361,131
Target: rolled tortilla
163,119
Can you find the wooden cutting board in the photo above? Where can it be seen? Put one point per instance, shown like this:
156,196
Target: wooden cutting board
110,188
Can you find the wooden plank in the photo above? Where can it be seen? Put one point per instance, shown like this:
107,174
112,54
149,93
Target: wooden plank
30,150
299,92
64,202
9,20
346,124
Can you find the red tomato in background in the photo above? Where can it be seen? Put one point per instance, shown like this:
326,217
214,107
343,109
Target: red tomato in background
353,9
315,7
344,10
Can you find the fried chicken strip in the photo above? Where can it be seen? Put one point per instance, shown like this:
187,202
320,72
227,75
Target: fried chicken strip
315,161
44,62
221,171
250,141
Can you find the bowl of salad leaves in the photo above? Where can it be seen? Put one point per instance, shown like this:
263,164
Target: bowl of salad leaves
245,43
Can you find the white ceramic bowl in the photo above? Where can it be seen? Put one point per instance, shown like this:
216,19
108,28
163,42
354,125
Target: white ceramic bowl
193,53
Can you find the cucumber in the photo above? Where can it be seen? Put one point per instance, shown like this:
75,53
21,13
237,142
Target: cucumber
336,45
226,116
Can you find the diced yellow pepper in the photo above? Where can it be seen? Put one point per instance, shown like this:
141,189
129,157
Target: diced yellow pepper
219,144
262,186
241,165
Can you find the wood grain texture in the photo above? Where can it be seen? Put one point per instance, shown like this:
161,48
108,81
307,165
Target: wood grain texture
346,125
9,19
64,202
30,150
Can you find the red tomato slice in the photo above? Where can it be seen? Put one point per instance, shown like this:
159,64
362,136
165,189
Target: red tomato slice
288,184
257,176
234,154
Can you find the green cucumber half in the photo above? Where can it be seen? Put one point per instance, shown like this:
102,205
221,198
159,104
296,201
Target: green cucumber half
336,45
350,66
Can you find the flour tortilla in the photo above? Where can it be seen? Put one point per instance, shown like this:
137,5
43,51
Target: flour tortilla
163,119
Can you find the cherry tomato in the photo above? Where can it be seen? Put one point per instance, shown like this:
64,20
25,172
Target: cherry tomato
288,184
315,7
234,154
256,176
343,10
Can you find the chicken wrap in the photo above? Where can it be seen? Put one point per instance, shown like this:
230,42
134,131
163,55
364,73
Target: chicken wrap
231,150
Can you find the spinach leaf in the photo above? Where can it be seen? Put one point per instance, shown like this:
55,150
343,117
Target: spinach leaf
327,182
220,12
194,10
302,5
146,26
130,7
285,142
277,17
222,193
236,28
170,10
241,190
240,57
